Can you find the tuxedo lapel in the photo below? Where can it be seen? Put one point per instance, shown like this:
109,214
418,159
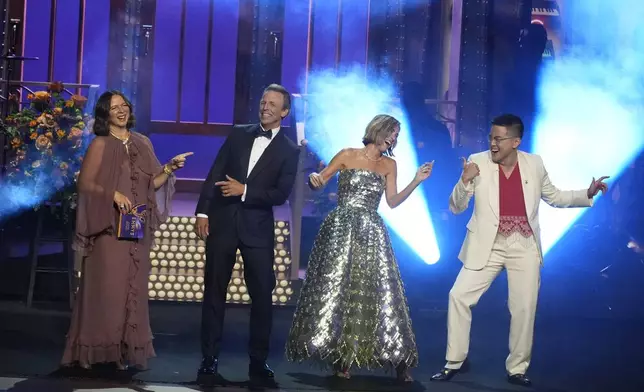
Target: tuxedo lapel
526,176
247,146
269,154
494,187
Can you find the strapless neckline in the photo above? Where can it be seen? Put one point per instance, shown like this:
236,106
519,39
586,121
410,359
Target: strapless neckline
359,169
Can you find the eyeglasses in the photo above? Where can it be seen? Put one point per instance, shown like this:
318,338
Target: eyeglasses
498,139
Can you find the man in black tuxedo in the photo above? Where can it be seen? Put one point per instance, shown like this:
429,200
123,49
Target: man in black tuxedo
253,171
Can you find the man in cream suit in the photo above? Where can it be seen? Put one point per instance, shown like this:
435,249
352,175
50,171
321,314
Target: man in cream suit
503,233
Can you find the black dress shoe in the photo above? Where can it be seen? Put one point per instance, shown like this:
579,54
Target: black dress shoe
260,370
207,375
519,379
445,374
260,374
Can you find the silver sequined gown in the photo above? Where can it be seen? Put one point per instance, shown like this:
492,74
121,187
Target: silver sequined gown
352,310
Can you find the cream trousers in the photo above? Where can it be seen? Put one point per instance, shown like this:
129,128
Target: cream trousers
520,257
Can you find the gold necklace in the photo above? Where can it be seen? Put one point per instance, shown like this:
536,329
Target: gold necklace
124,140
371,159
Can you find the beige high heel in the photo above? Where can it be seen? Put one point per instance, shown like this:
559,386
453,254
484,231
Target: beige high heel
341,373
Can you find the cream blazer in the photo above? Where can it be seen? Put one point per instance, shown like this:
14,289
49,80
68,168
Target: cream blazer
483,226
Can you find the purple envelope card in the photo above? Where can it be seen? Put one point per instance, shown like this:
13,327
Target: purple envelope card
131,224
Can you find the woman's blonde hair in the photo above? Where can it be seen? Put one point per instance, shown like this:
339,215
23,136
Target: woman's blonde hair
378,129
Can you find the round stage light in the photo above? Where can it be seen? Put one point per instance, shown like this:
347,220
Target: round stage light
178,265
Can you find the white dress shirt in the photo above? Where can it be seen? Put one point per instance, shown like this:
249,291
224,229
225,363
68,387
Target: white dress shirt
259,146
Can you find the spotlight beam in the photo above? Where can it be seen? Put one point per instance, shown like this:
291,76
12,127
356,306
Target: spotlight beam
589,119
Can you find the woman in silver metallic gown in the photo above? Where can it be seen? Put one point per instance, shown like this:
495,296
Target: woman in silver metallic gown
352,311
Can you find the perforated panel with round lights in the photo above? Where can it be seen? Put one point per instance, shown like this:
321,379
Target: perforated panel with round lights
178,260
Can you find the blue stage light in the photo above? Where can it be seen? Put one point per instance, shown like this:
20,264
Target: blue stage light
590,102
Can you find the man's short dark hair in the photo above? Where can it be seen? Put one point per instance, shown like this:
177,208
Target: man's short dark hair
513,124
278,88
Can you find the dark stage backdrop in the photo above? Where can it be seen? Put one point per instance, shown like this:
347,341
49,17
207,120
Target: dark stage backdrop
195,67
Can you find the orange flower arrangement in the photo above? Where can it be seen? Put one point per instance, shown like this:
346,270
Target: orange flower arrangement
47,140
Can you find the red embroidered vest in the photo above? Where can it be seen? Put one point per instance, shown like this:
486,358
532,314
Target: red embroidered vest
512,212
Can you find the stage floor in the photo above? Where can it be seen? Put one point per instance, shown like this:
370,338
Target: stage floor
570,354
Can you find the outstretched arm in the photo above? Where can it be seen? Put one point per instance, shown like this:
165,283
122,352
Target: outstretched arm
164,183
318,180
395,198
562,199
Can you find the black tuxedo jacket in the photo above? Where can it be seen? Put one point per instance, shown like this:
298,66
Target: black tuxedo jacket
269,184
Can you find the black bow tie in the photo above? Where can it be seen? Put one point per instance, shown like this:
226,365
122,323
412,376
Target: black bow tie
267,134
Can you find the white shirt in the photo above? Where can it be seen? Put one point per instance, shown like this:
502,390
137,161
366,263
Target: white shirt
259,146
